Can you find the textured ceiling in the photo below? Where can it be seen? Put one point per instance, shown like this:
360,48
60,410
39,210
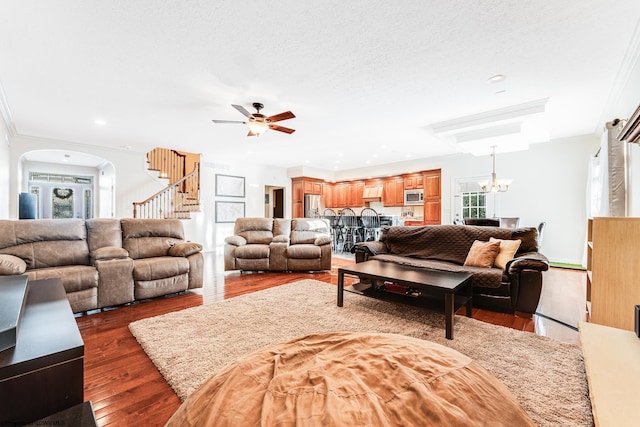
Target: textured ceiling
366,79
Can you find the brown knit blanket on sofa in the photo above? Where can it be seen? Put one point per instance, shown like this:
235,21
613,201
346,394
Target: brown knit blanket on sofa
443,242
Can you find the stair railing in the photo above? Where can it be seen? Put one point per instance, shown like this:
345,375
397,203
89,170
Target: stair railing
176,200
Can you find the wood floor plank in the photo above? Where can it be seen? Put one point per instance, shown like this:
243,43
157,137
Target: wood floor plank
127,389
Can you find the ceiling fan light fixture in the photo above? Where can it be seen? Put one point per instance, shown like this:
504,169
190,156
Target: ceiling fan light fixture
257,128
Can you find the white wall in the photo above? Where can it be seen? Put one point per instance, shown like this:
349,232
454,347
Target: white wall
203,225
5,181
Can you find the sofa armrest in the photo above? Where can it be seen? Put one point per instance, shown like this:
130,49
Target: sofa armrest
322,240
365,250
281,238
11,265
185,249
525,273
109,252
235,240
529,261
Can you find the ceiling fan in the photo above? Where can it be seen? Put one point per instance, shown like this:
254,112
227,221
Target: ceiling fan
259,123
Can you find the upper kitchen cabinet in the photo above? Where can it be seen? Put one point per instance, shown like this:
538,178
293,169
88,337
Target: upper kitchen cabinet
327,195
356,192
393,193
413,181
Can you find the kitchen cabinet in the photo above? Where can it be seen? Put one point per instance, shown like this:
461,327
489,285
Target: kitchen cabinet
413,181
312,187
297,198
393,193
432,197
351,194
341,194
356,192
327,195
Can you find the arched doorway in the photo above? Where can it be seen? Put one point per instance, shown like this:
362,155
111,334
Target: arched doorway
68,184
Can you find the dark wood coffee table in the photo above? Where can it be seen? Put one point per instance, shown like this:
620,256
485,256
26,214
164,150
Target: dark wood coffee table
44,372
427,283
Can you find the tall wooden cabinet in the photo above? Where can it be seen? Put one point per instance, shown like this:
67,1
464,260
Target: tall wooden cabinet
432,197
613,270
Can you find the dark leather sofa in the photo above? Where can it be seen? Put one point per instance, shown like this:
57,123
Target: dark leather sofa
517,287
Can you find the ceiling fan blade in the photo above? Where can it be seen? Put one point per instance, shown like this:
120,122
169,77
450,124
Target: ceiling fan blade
282,116
226,121
242,110
281,129
252,134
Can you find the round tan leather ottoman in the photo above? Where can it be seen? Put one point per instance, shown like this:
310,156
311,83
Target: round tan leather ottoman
352,379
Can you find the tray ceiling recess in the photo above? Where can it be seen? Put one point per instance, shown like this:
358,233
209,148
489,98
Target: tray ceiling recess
507,129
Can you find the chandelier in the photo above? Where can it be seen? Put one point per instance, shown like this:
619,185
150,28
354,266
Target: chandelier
495,185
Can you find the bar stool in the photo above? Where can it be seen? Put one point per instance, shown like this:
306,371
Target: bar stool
370,223
351,228
335,227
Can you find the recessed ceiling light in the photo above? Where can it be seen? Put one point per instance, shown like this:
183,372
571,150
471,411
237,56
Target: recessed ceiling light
497,78
100,122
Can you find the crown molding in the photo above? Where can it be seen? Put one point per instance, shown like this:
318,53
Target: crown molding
630,61
5,112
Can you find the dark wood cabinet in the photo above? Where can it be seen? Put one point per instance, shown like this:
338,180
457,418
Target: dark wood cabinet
44,372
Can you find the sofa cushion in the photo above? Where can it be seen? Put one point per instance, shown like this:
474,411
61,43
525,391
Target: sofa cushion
252,251
103,232
254,230
45,242
185,249
304,251
154,288
482,254
10,265
508,249
74,278
147,238
148,269
529,238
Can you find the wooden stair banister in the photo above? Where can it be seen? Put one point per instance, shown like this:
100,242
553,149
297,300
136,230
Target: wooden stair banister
177,200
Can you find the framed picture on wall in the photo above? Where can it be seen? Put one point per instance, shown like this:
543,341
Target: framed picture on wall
229,211
229,186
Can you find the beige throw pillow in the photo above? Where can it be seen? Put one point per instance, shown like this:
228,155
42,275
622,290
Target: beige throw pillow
482,254
508,249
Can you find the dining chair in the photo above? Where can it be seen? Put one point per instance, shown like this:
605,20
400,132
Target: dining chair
509,222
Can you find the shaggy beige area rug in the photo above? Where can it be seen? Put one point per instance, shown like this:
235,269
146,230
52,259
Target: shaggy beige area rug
546,376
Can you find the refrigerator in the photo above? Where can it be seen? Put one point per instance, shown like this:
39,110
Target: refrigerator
312,205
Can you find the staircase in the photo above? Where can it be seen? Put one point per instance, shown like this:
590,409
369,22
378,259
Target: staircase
182,195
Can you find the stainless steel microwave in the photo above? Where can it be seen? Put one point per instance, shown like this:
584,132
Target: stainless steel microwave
413,197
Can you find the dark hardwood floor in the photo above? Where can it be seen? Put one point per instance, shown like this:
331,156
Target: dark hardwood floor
126,389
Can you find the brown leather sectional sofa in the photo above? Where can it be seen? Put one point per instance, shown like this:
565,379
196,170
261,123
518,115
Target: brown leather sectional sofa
267,244
103,262
516,287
